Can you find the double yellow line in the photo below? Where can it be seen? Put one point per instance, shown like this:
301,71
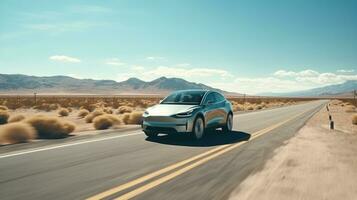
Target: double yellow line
195,162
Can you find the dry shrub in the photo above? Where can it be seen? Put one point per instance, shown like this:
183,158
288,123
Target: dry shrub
132,118
51,127
354,119
53,106
4,116
3,108
108,110
16,118
16,133
89,118
125,117
63,112
105,121
124,109
250,107
69,109
259,107
82,113
350,108
238,107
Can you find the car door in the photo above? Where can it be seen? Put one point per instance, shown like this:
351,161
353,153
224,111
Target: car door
220,108
211,119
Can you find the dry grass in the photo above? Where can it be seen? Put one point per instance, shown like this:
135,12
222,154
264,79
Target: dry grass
51,127
16,133
354,119
63,112
89,118
82,113
350,108
106,121
16,118
4,116
124,109
3,108
132,118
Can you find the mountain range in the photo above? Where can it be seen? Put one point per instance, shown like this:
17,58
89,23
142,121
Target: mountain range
343,89
23,84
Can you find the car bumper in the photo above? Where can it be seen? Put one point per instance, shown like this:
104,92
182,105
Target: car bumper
167,124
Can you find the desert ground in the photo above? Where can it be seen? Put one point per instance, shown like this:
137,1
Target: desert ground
27,118
318,163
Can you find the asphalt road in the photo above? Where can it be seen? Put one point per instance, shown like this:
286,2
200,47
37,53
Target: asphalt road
106,166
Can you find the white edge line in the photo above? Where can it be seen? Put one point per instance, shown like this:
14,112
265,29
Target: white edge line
6,155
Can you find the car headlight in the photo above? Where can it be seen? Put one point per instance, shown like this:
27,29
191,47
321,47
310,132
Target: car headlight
185,114
146,113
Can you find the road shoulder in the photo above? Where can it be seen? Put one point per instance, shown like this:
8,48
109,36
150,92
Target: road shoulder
317,163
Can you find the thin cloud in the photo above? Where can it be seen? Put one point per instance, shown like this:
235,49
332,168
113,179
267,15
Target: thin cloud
66,59
155,58
345,70
114,62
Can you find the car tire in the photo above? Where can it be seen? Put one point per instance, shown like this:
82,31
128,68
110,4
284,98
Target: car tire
227,128
198,129
151,134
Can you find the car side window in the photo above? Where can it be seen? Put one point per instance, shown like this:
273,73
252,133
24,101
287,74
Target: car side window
210,98
218,97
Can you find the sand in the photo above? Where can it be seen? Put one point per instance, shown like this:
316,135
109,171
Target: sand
317,163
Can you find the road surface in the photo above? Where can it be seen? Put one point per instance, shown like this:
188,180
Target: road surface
128,165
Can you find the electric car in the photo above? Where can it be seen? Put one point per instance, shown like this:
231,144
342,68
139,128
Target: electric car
189,111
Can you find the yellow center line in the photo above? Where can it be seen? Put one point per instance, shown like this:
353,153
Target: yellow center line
153,174
214,153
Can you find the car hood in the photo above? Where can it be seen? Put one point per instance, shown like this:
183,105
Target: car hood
169,109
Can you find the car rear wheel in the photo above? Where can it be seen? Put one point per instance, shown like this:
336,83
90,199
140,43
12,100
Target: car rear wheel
151,134
229,124
198,128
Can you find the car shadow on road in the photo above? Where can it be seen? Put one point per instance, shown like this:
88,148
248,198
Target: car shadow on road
212,138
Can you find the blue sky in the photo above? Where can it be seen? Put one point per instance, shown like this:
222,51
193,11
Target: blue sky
241,46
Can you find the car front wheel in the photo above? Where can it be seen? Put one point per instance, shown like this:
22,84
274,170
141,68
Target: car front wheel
229,124
198,129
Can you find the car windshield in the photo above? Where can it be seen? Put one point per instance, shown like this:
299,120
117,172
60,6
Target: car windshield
185,97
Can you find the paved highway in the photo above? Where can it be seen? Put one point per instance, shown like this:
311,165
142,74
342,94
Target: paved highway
127,165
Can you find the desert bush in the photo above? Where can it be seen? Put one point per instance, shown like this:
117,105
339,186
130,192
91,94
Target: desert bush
259,107
51,127
133,118
16,133
238,107
16,118
69,109
354,119
82,113
63,112
4,116
3,108
250,107
124,109
350,108
125,118
89,118
108,110
105,121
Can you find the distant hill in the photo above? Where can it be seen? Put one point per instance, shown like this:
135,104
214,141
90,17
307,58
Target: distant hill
23,84
344,89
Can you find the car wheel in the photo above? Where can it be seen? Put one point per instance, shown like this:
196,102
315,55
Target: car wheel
198,128
150,134
229,124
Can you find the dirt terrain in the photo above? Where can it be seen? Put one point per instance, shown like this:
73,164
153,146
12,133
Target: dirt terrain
318,163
